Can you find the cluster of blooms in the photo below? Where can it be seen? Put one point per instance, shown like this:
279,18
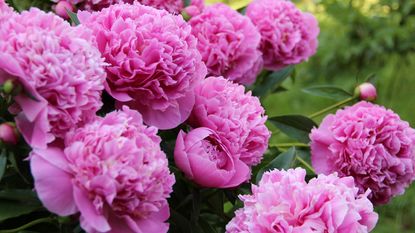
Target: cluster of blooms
232,136
153,60
62,74
284,202
112,171
370,143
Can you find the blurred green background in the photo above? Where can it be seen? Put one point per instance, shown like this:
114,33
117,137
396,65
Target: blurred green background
358,39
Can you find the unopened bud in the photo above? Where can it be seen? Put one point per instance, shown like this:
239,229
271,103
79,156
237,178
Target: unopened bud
366,91
8,86
62,8
8,133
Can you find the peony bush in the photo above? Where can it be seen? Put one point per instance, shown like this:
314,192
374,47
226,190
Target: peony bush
146,117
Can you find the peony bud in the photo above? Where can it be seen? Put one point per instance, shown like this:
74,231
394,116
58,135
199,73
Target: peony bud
62,7
8,86
8,133
366,91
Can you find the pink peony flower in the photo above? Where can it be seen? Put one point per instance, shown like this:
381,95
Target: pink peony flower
288,35
60,69
196,7
5,11
95,5
228,42
62,8
237,117
284,202
201,155
153,61
172,6
112,171
367,91
8,133
370,143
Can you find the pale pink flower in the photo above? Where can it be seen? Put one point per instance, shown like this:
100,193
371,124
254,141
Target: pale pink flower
61,71
284,202
289,36
112,171
153,61
371,144
237,117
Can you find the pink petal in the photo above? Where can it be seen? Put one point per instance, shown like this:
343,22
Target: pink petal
54,186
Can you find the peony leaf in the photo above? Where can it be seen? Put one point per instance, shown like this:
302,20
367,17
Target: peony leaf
73,17
328,91
294,126
284,160
270,82
3,163
12,209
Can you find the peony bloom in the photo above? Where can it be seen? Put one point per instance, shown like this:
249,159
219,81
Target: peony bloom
195,7
201,155
366,91
289,36
153,61
228,43
237,117
8,133
60,69
370,143
112,171
5,11
284,202
172,6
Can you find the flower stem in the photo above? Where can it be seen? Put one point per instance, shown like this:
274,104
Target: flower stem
307,165
332,107
297,144
27,225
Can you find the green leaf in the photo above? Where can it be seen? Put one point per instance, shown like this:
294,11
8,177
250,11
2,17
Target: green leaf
12,209
269,83
73,17
207,228
294,126
283,161
3,164
22,195
328,91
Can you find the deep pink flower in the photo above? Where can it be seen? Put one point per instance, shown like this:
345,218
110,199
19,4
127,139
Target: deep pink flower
153,61
367,91
228,43
5,11
201,155
8,133
112,171
237,117
60,69
289,36
284,202
370,143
